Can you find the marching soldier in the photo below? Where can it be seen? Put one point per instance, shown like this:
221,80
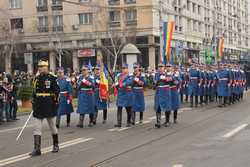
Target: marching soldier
175,95
125,96
162,95
138,93
194,76
224,84
100,104
45,101
65,97
86,97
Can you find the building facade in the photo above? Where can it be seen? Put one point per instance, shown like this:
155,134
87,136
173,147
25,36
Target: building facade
73,32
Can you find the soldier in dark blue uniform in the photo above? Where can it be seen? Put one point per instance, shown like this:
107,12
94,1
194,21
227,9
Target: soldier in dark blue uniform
124,82
163,101
138,93
65,97
86,97
175,95
45,102
194,77
100,104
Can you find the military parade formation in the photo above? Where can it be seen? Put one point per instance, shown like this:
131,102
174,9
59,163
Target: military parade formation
195,84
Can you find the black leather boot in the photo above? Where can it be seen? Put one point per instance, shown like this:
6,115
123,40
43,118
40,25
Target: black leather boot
158,119
167,115
58,120
55,148
81,119
68,120
133,116
37,146
141,117
175,116
119,118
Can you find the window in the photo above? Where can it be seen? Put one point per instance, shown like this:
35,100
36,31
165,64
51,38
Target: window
42,5
188,5
57,5
194,6
199,9
82,1
85,18
114,16
58,23
16,23
129,1
15,4
114,2
131,15
43,24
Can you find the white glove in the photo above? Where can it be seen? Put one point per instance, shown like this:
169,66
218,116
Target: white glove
136,79
97,81
162,77
84,80
116,83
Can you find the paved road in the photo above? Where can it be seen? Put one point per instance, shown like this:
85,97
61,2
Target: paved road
204,137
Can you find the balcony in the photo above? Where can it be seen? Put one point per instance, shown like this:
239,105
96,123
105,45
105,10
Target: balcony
42,8
57,6
43,29
114,2
114,24
131,23
129,1
57,28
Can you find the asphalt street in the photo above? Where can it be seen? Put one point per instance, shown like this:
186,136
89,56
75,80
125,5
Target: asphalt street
206,136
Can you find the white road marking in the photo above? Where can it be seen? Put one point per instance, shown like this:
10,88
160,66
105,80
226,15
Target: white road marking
122,129
113,129
21,157
178,165
13,129
235,131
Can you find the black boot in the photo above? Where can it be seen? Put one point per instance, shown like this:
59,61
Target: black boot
119,117
196,101
220,102
191,101
81,119
129,114
133,116
175,116
91,119
158,119
104,116
141,117
55,148
58,120
95,117
68,120
37,146
167,115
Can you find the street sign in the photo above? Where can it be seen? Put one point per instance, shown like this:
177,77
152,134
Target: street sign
86,53
28,58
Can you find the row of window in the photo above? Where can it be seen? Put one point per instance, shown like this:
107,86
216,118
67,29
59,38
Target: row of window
16,4
84,19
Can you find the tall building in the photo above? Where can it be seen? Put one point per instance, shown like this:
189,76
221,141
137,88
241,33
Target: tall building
71,32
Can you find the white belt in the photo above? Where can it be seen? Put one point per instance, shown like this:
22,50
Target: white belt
163,86
137,87
86,89
224,79
64,92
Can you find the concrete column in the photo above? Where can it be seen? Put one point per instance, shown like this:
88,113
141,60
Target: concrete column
8,63
75,61
52,61
151,51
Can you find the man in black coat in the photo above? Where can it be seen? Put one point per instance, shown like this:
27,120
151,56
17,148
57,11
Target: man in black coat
45,101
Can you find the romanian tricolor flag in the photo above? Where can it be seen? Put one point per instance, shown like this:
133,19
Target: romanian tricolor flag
104,85
221,49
